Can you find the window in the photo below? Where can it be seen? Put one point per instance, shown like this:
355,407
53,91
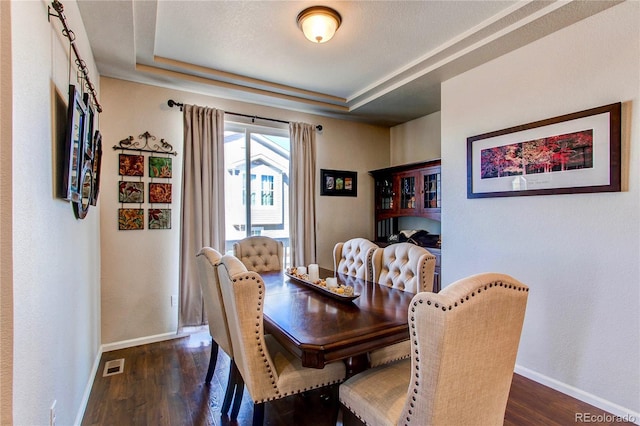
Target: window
267,190
258,205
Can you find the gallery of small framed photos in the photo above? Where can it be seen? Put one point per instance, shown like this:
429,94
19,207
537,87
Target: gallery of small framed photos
145,177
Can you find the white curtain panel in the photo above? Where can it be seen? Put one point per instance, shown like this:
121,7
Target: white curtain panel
202,221
302,205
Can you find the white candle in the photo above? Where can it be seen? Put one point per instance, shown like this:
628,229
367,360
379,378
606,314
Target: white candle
302,270
332,282
314,272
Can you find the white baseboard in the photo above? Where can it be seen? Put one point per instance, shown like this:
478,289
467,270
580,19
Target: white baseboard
88,387
141,341
112,347
603,404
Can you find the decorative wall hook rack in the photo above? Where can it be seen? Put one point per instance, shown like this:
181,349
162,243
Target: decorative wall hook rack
129,144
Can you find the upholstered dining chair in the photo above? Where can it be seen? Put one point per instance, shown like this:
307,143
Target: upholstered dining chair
268,370
353,257
464,342
407,267
260,253
207,260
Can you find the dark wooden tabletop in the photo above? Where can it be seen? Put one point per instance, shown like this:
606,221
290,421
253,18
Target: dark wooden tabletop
320,330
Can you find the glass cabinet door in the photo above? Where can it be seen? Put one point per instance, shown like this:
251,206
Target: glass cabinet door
408,192
431,190
385,194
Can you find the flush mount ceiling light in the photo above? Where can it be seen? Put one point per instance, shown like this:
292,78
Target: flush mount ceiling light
319,23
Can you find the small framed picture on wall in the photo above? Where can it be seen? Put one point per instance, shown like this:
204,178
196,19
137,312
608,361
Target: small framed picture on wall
338,183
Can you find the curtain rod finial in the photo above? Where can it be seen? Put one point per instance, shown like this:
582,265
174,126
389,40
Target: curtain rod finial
173,103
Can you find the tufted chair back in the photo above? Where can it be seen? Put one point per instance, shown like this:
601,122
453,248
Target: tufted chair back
260,254
464,342
269,371
353,257
404,266
207,260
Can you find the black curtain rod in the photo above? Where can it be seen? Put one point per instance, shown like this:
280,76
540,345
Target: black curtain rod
173,103
82,65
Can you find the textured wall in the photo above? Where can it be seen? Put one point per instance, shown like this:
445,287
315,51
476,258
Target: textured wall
579,253
56,258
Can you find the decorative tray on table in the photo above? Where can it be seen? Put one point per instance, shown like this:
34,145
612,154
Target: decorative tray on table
343,293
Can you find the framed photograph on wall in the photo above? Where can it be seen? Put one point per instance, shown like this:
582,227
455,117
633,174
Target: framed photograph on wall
573,153
338,183
74,146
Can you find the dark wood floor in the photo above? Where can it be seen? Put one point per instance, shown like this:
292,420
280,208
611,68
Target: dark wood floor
163,384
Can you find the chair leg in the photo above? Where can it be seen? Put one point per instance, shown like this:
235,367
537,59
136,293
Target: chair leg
232,383
212,362
237,398
335,402
258,414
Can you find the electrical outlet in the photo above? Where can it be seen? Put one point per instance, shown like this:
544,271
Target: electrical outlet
52,414
174,300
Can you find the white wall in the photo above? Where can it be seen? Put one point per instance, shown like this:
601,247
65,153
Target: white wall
56,262
140,268
578,253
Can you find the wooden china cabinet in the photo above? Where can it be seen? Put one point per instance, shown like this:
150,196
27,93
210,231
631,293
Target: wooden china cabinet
409,190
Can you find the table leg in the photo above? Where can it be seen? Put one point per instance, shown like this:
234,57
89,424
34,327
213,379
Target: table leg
357,364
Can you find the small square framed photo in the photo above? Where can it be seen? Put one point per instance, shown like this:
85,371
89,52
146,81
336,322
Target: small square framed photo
338,183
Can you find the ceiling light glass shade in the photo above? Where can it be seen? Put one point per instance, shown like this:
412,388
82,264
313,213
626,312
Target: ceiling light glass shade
319,23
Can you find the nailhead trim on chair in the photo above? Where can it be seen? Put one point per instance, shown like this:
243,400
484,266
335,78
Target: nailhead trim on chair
262,351
444,309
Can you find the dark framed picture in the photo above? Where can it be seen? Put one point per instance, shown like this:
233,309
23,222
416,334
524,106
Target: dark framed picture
131,165
74,146
338,183
97,165
130,219
130,192
573,153
160,193
160,167
159,218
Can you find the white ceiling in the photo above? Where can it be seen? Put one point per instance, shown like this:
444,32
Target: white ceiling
384,65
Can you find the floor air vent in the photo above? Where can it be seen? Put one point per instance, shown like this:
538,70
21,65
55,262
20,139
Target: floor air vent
113,367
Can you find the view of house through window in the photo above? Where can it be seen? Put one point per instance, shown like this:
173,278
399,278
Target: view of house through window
258,205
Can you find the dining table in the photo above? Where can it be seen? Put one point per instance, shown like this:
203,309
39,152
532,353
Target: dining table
320,329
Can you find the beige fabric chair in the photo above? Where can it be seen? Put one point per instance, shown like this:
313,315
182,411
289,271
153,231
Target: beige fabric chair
207,260
407,267
464,342
353,257
260,254
269,371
